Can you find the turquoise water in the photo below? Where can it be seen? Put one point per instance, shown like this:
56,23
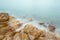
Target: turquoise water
45,10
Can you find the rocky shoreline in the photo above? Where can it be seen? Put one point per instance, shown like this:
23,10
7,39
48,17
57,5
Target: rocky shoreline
27,29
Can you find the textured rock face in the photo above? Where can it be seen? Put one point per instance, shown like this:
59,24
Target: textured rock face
32,31
29,32
13,23
4,17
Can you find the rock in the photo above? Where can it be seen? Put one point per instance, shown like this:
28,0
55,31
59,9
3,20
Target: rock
33,32
3,24
28,28
17,36
41,23
4,30
30,19
9,25
9,35
11,17
41,38
52,36
4,17
14,24
23,35
51,28
1,37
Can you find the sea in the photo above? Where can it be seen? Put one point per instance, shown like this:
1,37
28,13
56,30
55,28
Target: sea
40,10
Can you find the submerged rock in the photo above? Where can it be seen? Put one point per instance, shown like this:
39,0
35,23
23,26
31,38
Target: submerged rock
30,19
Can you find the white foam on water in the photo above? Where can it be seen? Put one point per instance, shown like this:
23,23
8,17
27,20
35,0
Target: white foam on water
34,23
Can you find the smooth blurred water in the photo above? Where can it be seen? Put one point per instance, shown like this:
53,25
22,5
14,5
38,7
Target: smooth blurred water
45,10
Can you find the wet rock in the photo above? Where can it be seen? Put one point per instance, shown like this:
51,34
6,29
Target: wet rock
33,32
51,28
14,24
30,19
41,23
